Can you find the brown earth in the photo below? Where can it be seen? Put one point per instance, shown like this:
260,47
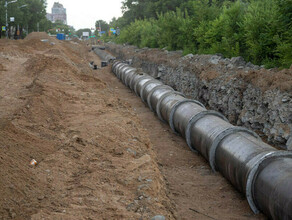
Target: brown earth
270,79
95,160
101,153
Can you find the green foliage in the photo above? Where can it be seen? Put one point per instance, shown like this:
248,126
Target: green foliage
224,34
101,24
261,27
27,13
258,30
59,25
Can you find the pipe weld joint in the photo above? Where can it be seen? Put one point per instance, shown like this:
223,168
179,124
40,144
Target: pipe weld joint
116,67
161,99
220,137
126,72
175,107
253,172
153,90
134,70
115,64
122,71
194,119
138,80
144,86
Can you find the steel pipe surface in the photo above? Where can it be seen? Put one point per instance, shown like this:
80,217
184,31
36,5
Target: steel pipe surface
104,56
140,83
155,95
147,88
261,172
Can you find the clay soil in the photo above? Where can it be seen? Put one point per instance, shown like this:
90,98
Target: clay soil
100,152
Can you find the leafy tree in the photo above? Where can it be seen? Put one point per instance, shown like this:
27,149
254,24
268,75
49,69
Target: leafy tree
258,30
224,34
27,14
261,27
103,24
59,25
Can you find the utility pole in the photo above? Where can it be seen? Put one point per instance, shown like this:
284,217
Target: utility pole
6,31
99,29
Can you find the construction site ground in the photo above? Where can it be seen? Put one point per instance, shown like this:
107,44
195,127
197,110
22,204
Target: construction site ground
100,152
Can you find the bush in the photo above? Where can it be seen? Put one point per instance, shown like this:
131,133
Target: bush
261,27
260,31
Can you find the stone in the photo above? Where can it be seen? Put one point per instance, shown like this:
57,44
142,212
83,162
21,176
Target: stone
289,144
214,59
238,61
129,150
158,217
230,66
285,99
189,56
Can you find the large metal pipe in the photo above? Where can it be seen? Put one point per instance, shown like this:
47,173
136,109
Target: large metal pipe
104,56
261,172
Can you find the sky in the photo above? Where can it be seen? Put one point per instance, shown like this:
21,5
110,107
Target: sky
84,13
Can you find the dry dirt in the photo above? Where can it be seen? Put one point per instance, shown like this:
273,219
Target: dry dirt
101,153
95,160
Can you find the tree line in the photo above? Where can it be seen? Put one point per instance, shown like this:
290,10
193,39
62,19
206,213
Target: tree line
258,30
28,14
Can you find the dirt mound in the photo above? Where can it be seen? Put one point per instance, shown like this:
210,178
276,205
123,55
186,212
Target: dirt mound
41,36
94,159
36,65
270,79
35,44
37,35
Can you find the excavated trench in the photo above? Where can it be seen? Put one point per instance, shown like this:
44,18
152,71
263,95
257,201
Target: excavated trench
253,167
260,171
247,95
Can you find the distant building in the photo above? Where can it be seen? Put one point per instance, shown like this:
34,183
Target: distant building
58,13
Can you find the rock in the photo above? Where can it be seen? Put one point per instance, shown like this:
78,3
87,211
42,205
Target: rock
285,99
230,66
189,56
289,144
238,61
158,217
250,65
129,150
41,197
215,59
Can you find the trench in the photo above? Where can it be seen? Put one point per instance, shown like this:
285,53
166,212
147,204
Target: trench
195,190
254,168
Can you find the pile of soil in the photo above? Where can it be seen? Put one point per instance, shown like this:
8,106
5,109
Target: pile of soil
37,36
94,159
270,79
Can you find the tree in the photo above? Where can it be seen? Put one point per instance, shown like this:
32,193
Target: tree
27,13
103,24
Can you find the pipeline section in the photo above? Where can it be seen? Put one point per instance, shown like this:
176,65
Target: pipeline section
104,56
261,172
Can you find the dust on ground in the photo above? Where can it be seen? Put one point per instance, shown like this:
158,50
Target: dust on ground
94,158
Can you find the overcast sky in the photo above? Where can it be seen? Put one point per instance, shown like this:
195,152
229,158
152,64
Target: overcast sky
84,13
